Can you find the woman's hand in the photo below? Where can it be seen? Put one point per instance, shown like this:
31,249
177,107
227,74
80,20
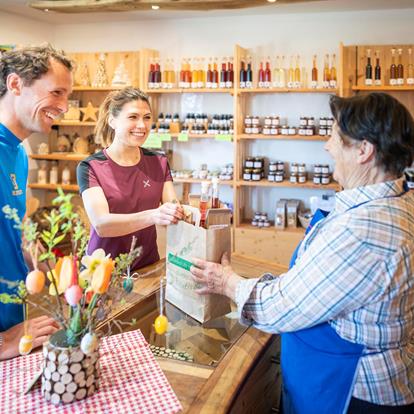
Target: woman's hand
215,277
39,328
168,213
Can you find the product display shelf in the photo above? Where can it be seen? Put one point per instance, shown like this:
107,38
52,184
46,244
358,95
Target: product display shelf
54,187
284,137
384,88
295,230
199,180
75,123
60,156
288,90
286,183
188,90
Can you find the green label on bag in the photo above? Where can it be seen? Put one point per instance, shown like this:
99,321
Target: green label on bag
179,261
153,141
223,137
182,137
165,137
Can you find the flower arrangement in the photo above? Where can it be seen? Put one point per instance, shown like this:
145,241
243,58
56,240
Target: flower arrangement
83,286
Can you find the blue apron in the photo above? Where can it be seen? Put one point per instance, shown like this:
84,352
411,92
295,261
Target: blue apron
319,367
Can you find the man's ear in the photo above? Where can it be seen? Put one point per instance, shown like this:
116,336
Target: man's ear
366,152
14,84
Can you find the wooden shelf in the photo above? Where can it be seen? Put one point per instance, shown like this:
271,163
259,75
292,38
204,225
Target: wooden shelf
75,123
192,136
309,185
384,88
272,228
198,181
189,90
60,156
95,89
54,187
288,90
284,137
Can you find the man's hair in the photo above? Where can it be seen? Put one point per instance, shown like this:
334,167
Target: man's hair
381,120
30,63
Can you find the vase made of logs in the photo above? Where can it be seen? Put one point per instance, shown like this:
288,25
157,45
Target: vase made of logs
68,373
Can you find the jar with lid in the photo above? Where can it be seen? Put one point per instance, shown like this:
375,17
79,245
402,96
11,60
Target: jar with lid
317,169
255,120
284,130
310,130
249,162
302,167
260,223
275,120
294,167
311,121
329,121
248,120
302,130
254,222
274,130
255,129
256,174
271,176
303,121
293,178
279,177
323,131
329,131
317,178
263,216
272,166
42,173
325,179
292,130
54,173
280,166
323,121
325,169
267,121
267,130
257,215
302,177
258,162
247,174
247,129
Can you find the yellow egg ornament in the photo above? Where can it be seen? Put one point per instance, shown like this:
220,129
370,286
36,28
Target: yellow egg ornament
25,344
161,324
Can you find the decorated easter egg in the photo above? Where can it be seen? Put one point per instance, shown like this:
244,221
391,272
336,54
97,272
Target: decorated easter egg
25,344
35,281
89,343
128,285
73,295
161,324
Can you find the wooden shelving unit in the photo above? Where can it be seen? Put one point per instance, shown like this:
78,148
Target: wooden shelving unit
54,187
75,123
198,181
287,184
385,88
287,90
60,156
188,90
283,137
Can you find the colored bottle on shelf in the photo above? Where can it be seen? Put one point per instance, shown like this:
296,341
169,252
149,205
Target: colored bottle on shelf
187,74
209,74
182,74
230,73
223,74
249,73
332,74
243,74
400,69
157,74
194,74
410,68
151,76
368,69
326,72
298,82
66,175
314,75
276,73
291,74
171,75
282,76
204,200
215,201
268,74
393,69
215,79
164,74
201,74
377,71
261,76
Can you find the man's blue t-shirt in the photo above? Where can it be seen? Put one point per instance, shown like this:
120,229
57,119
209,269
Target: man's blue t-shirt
13,180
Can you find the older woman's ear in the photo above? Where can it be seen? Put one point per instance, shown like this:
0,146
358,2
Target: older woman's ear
365,152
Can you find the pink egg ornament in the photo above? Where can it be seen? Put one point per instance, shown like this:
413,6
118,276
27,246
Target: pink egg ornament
73,295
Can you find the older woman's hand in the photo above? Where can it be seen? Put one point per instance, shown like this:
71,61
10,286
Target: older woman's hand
215,277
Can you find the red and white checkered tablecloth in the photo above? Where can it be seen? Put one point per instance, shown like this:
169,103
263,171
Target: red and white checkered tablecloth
131,382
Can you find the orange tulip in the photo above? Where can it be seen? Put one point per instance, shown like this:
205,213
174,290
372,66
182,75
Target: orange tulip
101,276
66,274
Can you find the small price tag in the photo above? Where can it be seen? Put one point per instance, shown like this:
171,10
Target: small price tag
223,137
182,137
165,137
153,141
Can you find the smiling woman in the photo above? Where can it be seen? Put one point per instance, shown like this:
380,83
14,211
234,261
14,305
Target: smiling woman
123,185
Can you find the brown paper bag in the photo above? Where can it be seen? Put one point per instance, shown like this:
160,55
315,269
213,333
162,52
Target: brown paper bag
185,241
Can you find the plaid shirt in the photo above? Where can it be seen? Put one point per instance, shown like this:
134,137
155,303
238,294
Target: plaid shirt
355,270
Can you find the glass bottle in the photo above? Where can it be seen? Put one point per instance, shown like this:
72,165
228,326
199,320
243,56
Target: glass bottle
268,74
209,76
332,75
204,200
276,73
194,73
157,74
230,73
243,74
400,69
314,81
201,74
282,77
187,74
260,76
164,74
291,74
54,173
393,69
326,72
42,173
298,82
410,68
223,74
249,73
215,201
66,175
215,80
377,75
368,69
151,75
182,74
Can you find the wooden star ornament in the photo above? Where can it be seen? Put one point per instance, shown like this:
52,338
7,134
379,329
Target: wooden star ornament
89,113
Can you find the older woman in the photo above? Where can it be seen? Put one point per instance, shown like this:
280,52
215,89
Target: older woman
346,306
